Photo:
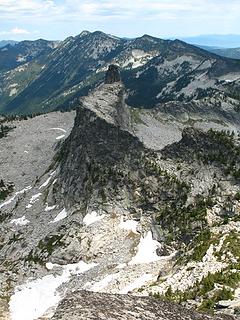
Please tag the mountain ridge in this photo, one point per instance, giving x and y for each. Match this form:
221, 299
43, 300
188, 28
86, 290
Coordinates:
75, 67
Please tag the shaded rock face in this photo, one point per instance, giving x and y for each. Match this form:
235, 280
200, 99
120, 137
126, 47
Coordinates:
104, 167
112, 75
95, 306
98, 153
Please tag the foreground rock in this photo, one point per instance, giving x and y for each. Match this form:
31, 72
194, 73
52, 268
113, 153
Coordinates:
87, 305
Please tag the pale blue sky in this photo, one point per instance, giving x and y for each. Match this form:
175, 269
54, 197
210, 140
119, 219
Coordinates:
58, 19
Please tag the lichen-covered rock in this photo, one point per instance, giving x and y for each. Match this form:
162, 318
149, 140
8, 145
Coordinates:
96, 306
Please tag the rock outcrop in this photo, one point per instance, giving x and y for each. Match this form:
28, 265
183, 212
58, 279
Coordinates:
103, 166
88, 305
112, 75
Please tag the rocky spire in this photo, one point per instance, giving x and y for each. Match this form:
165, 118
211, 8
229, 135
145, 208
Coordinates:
112, 75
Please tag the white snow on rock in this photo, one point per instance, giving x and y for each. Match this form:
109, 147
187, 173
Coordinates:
13, 92
15, 195
121, 266
60, 137
92, 217
34, 199
60, 129
21, 58
20, 221
129, 225
31, 300
138, 58
49, 208
13, 85
146, 250
47, 181
49, 265
138, 283
62, 215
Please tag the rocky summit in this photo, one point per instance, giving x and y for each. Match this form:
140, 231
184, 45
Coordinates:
124, 213
112, 75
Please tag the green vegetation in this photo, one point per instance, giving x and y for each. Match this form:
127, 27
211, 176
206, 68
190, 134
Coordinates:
232, 245
183, 82
237, 196
205, 290
221, 294
187, 222
4, 129
201, 245
49, 244
22, 78
136, 116
5, 189
222, 151
44, 249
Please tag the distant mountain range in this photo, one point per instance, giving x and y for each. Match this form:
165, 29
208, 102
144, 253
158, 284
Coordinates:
12, 56
3, 43
222, 41
233, 53
41, 76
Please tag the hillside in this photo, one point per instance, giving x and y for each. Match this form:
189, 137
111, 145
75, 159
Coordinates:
233, 53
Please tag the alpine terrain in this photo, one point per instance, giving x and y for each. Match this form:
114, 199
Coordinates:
123, 202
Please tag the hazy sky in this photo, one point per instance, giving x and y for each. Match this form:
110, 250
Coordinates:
58, 19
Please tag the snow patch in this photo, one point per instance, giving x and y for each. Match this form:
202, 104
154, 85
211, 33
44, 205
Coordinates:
49, 208
13, 198
47, 181
129, 225
138, 58
34, 199
62, 215
21, 58
60, 129
20, 221
121, 266
31, 300
146, 250
49, 265
13, 85
13, 92
92, 217
60, 137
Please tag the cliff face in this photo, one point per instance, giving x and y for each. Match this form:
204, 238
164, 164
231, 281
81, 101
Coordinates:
103, 166
99, 146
